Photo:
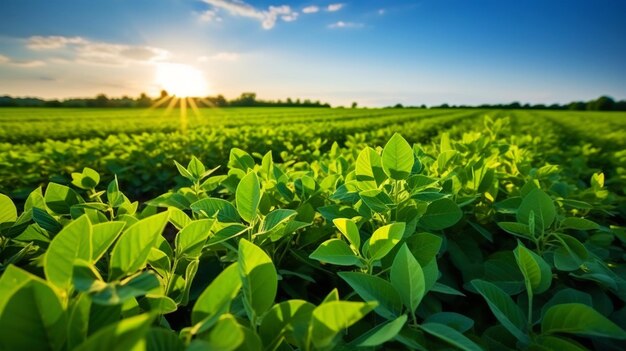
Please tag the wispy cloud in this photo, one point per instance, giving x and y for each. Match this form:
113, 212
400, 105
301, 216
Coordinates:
334, 7
382, 11
268, 18
310, 9
210, 16
99, 53
20, 63
342, 24
220, 56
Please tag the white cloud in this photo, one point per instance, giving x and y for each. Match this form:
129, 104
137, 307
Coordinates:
210, 16
220, 56
334, 7
310, 9
100, 53
52, 42
342, 24
268, 18
20, 63
381, 12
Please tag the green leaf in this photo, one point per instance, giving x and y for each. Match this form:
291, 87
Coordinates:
248, 197
330, 318
541, 205
196, 168
276, 218
46, 221
103, 236
579, 224
60, 198
225, 211
381, 333
537, 273
384, 239
577, 318
259, 278
441, 214
451, 336
8, 212
240, 159
282, 319
335, 251
369, 169
227, 335
548, 343
397, 158
130, 254
424, 246
183, 171
453, 320
517, 229
73, 242
377, 200
160, 339
217, 297
120, 336
505, 310
32, 318
408, 278
190, 240
348, 228
372, 288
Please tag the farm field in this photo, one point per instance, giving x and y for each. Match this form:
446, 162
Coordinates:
312, 229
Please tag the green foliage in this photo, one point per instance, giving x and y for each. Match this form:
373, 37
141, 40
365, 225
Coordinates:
469, 242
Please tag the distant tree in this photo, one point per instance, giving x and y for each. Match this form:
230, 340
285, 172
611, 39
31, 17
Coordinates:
220, 101
143, 101
164, 94
603, 103
354, 104
101, 100
577, 106
398, 105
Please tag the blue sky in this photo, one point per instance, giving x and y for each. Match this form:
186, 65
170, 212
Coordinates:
371, 51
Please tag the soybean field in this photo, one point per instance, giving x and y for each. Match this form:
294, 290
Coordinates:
312, 229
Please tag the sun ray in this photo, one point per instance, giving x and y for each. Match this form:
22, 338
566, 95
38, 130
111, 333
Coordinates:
183, 115
170, 106
194, 108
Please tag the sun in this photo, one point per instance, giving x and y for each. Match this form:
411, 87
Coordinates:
181, 80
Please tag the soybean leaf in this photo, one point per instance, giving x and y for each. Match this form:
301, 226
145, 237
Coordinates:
32, 318
130, 254
505, 310
381, 333
119, 336
217, 297
103, 236
161, 339
384, 239
348, 228
537, 273
453, 320
372, 288
259, 278
282, 319
541, 205
60, 198
397, 158
369, 169
73, 242
330, 318
226, 335
248, 197
191, 239
377, 200
407, 278
335, 251
450, 335
577, 318
441, 214
8, 212
225, 211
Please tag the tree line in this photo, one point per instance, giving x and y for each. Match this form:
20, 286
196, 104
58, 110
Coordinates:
102, 101
603, 103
